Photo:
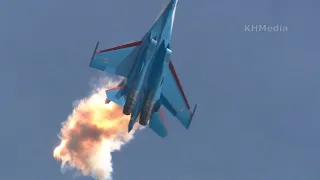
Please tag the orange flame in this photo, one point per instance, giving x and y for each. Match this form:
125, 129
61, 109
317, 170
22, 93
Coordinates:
91, 133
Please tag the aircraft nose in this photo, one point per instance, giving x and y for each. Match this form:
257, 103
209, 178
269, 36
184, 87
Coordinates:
174, 3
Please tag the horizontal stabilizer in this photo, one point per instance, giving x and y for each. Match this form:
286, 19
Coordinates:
158, 123
117, 95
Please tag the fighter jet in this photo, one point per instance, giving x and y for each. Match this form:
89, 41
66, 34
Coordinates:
150, 80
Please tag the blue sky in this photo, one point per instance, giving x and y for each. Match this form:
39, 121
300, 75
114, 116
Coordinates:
258, 92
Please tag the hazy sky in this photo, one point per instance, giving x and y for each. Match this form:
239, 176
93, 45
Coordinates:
257, 92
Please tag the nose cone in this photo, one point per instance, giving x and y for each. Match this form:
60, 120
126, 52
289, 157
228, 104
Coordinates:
173, 3
168, 4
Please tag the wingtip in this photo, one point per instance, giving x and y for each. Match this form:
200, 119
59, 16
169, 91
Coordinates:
194, 110
94, 52
192, 114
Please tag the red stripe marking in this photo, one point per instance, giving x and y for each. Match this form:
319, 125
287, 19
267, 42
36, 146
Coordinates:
163, 119
179, 84
116, 88
122, 46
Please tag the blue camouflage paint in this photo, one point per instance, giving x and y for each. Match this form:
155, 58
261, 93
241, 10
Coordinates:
151, 80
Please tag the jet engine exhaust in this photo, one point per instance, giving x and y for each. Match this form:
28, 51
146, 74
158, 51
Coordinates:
130, 102
146, 111
145, 116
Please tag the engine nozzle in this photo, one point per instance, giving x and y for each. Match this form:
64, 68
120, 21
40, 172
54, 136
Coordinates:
146, 111
145, 117
130, 102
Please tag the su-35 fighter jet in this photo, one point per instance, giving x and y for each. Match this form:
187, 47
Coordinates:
150, 79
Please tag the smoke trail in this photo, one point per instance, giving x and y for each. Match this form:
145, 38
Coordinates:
91, 133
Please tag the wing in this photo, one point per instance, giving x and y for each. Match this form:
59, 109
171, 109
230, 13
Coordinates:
174, 99
117, 60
